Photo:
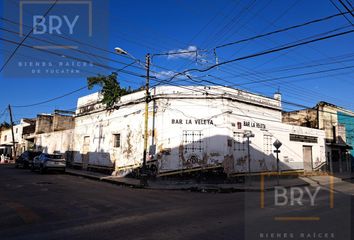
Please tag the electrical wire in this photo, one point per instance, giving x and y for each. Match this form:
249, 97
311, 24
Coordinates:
262, 53
338, 9
282, 30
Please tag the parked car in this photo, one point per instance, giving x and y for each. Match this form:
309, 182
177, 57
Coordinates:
25, 160
46, 161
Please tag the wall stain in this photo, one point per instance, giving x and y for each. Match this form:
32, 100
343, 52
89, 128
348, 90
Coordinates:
128, 151
228, 164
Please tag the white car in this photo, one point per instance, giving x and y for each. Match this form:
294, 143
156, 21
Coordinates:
47, 161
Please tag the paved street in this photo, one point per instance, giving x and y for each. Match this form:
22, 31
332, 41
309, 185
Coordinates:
59, 206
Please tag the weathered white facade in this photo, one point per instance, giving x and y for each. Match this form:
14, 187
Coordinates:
192, 128
6, 142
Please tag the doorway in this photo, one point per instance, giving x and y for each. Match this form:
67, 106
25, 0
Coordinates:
307, 155
85, 152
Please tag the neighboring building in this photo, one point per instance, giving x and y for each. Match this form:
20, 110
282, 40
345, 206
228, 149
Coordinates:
56, 130
28, 134
53, 133
190, 128
338, 124
6, 142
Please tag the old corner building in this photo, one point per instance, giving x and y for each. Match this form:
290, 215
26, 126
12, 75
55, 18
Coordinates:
190, 128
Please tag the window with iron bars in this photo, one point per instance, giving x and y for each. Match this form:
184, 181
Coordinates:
267, 144
239, 142
192, 141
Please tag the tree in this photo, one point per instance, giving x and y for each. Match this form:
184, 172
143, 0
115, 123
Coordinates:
110, 88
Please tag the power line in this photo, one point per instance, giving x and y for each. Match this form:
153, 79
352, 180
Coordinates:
345, 6
349, 4
76, 50
282, 30
50, 100
3, 112
296, 75
289, 68
74, 58
262, 53
338, 9
95, 55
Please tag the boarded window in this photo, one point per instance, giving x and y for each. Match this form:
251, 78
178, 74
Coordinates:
116, 140
193, 141
239, 142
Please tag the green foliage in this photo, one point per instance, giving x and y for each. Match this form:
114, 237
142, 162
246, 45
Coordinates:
110, 88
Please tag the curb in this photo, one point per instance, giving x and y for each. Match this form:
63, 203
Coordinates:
103, 179
190, 189
222, 189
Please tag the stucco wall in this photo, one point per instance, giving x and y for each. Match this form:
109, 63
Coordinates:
55, 142
192, 130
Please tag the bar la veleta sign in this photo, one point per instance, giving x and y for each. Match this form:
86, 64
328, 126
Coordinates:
193, 121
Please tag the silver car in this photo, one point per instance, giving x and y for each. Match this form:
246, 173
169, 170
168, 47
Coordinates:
47, 161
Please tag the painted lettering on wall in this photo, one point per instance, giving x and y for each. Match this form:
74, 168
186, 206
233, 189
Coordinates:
254, 124
193, 121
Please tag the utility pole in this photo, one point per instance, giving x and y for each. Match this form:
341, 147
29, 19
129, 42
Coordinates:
248, 134
143, 179
13, 134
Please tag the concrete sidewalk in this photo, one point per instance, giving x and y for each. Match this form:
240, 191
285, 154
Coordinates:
190, 185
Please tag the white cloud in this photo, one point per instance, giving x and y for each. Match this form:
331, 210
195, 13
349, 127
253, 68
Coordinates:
164, 74
185, 53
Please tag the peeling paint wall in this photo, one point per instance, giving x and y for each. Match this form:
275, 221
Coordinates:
101, 128
192, 130
222, 140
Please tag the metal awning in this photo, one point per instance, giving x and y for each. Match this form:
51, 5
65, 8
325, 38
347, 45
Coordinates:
340, 145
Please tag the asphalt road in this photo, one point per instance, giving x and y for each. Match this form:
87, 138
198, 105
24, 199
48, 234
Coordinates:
60, 206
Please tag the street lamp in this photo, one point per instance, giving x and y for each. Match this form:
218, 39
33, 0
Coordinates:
248, 134
120, 51
143, 177
277, 144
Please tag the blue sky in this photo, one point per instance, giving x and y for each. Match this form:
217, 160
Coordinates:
162, 26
